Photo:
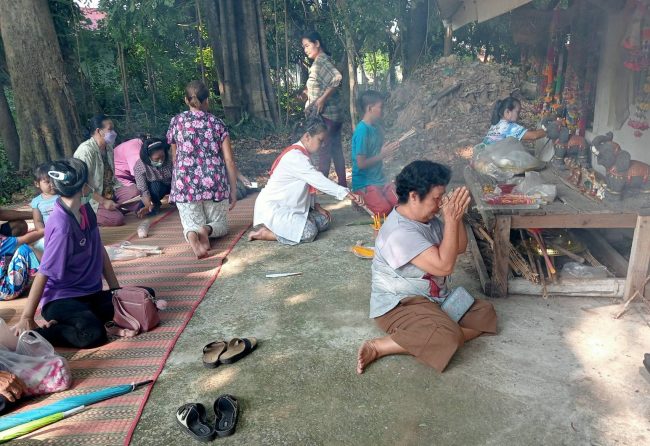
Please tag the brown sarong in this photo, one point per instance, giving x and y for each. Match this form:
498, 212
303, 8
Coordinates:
426, 332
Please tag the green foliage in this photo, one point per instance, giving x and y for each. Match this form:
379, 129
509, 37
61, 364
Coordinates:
161, 55
493, 36
164, 48
10, 181
376, 62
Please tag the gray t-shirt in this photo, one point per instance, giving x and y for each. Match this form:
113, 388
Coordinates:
399, 241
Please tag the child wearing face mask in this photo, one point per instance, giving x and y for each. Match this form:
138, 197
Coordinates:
153, 174
97, 153
68, 286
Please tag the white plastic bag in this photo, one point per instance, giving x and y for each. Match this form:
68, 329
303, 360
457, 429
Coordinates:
116, 254
532, 185
143, 229
503, 159
575, 270
129, 251
36, 363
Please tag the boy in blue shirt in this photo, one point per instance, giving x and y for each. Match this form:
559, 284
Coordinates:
368, 155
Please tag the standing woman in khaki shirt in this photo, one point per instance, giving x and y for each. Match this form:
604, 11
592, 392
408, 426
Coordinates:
322, 99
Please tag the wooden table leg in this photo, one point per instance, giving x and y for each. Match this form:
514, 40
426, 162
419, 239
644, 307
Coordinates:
639, 265
501, 238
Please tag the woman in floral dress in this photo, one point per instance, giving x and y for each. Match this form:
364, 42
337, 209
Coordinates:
204, 180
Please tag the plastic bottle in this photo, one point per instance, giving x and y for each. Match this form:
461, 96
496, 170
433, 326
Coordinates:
143, 229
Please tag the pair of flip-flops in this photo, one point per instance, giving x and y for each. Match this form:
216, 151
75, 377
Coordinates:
222, 352
193, 420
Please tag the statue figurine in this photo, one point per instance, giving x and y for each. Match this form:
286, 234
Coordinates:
575, 171
565, 144
622, 171
594, 184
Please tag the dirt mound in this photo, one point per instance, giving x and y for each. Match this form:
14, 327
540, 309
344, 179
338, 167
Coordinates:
449, 104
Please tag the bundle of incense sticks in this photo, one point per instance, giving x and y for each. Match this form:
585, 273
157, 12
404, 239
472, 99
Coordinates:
377, 221
407, 135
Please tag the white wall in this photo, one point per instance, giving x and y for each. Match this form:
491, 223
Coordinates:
611, 52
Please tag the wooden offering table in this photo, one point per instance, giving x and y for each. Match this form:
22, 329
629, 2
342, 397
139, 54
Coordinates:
571, 209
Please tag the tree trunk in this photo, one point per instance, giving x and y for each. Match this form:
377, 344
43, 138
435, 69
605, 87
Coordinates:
77, 78
212, 24
392, 78
448, 40
271, 98
278, 75
243, 58
351, 52
48, 124
199, 25
8, 132
286, 62
125, 84
152, 88
416, 35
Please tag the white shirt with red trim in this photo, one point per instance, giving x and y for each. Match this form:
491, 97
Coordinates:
283, 205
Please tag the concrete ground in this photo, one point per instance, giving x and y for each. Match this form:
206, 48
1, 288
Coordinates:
560, 372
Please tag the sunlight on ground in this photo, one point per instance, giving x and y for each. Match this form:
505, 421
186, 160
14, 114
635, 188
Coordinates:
336, 206
465, 152
609, 353
267, 151
220, 379
298, 299
235, 266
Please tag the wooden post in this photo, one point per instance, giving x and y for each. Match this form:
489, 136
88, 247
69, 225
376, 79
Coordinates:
501, 239
639, 258
448, 39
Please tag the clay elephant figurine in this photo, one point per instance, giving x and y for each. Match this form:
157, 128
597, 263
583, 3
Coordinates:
565, 144
622, 171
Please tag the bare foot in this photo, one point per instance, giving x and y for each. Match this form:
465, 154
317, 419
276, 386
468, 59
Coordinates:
197, 246
7, 337
367, 354
204, 237
262, 233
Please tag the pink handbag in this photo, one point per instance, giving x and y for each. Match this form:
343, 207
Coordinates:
136, 311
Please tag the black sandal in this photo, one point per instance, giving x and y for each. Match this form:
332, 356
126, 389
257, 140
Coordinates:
191, 418
237, 349
226, 409
212, 352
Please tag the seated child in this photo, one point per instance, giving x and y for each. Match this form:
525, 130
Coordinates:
504, 123
368, 155
43, 204
18, 263
68, 286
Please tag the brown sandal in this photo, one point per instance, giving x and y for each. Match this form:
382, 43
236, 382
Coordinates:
212, 353
237, 349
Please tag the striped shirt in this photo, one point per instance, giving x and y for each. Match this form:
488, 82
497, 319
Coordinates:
144, 174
